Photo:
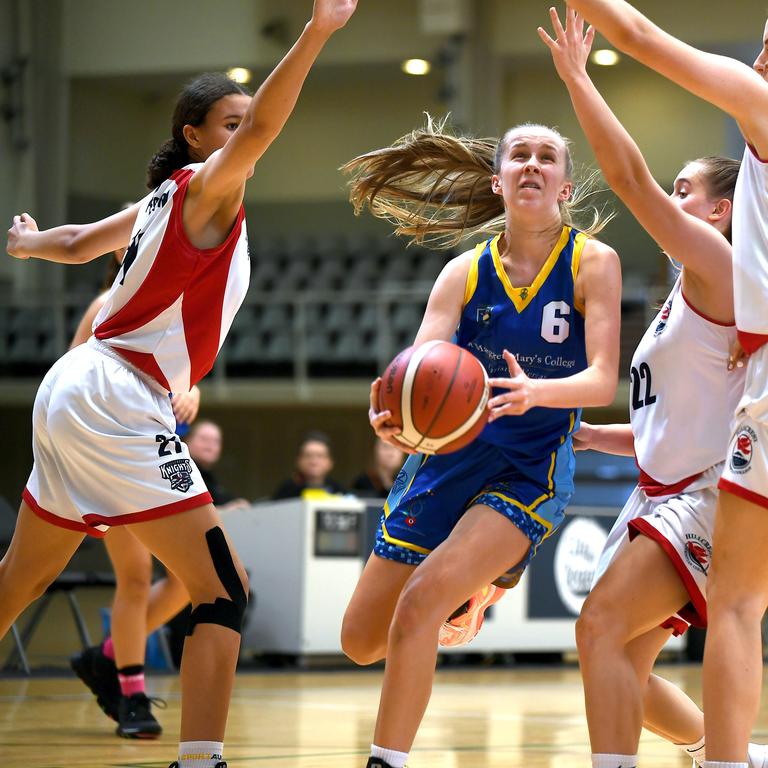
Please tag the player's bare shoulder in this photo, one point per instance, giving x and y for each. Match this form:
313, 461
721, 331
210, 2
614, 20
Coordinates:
599, 269
456, 269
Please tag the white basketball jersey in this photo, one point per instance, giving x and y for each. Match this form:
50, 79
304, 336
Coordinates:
750, 251
171, 305
682, 396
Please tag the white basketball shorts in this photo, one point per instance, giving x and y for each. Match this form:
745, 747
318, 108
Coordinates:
746, 466
682, 525
104, 446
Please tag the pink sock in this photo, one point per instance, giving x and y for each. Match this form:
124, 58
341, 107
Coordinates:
131, 683
108, 649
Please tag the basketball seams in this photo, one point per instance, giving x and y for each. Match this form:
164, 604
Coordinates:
469, 424
439, 409
414, 437
411, 436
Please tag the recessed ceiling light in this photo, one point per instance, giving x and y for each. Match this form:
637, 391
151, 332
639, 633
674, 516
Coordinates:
605, 57
239, 74
416, 66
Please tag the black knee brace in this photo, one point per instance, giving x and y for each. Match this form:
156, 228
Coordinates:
227, 613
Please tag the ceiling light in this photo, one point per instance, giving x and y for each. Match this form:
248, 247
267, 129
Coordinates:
239, 74
605, 57
416, 66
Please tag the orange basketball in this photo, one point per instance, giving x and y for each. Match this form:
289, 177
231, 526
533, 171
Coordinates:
437, 393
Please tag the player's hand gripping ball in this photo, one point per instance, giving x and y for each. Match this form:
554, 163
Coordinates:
437, 394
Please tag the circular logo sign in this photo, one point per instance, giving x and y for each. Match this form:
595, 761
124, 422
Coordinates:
742, 449
576, 558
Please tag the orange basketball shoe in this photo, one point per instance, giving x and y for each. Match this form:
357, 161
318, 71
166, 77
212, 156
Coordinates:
465, 623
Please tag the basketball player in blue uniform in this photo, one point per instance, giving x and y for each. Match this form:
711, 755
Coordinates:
539, 305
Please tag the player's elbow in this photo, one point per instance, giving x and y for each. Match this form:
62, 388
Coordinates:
605, 392
75, 246
632, 37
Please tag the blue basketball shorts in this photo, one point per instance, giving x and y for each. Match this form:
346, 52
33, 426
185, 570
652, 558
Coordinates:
431, 493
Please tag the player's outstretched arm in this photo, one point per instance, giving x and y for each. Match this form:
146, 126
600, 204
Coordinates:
227, 170
734, 87
71, 243
694, 243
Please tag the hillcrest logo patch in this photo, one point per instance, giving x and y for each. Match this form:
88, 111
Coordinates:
742, 449
178, 473
698, 552
662, 324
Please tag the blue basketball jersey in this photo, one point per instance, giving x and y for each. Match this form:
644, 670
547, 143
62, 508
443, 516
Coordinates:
540, 324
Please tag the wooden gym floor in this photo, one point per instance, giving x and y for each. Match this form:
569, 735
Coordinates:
494, 718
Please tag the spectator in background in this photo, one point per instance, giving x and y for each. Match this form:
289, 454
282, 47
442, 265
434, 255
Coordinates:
314, 463
377, 480
205, 442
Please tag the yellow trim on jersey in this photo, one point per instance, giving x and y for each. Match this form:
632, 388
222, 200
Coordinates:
401, 543
578, 246
570, 427
471, 285
522, 297
550, 478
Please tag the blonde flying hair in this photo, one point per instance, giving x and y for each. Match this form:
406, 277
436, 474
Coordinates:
435, 187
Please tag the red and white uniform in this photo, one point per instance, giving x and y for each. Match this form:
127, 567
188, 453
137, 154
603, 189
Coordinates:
746, 470
103, 427
171, 306
682, 402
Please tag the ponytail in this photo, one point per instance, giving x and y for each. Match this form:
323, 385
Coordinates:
169, 158
435, 188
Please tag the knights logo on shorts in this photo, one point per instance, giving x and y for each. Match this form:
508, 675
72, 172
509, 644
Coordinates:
743, 448
698, 552
179, 473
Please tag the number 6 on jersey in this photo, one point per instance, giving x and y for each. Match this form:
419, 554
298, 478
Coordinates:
554, 327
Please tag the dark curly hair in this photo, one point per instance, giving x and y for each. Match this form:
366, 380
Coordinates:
192, 106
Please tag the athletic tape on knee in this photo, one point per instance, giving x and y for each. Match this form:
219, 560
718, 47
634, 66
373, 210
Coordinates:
226, 613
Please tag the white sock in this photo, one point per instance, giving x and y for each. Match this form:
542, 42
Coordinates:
694, 751
716, 764
614, 761
757, 754
393, 757
200, 754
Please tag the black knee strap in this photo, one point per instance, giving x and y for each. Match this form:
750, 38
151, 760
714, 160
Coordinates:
226, 613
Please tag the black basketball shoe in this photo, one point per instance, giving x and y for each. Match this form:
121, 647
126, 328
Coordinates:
100, 675
377, 762
135, 719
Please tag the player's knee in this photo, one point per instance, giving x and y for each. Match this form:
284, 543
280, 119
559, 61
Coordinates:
415, 611
134, 585
26, 587
742, 607
594, 626
210, 607
360, 644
